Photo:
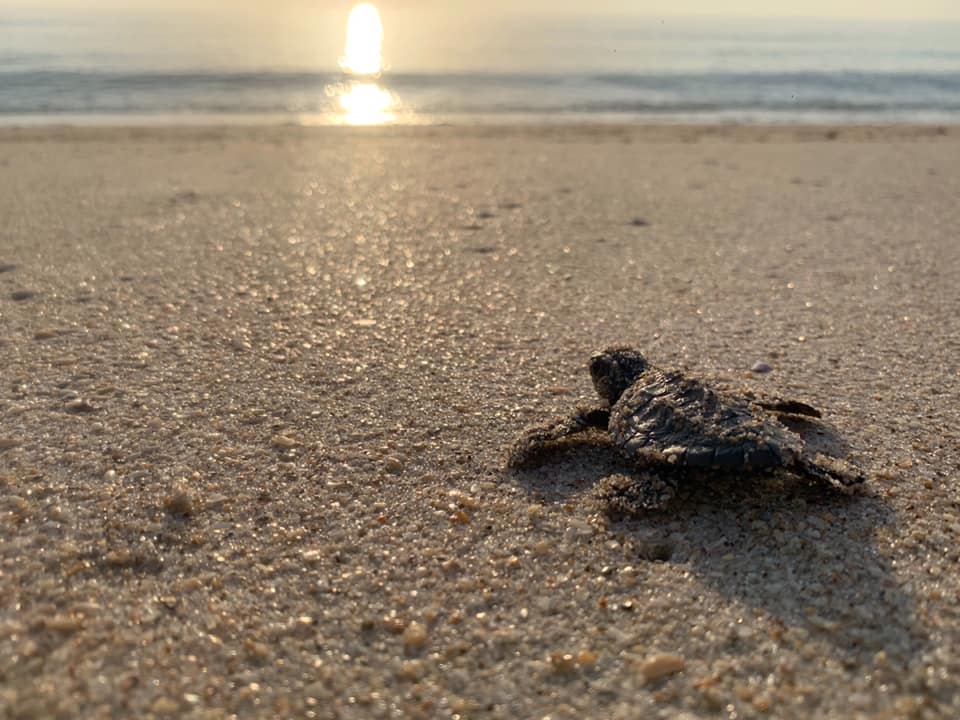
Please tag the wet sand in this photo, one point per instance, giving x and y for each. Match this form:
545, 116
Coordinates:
257, 384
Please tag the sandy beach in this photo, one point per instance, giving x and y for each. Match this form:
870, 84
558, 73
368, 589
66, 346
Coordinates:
257, 384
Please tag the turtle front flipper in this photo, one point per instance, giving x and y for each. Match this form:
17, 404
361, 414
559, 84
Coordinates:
528, 449
635, 494
828, 469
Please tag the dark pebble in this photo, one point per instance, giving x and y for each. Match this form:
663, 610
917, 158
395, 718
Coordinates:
6, 267
639, 222
21, 295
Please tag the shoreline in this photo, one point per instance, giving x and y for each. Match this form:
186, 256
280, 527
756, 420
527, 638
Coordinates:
745, 132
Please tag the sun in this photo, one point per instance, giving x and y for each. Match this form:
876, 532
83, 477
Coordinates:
363, 52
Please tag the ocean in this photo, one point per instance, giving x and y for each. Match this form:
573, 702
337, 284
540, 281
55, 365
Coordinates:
82, 70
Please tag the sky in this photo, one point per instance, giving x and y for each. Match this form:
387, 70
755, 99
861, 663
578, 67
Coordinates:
438, 36
848, 9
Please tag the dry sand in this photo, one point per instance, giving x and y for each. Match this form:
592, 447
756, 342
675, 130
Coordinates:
256, 385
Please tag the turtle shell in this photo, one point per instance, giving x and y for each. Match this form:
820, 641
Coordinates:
665, 417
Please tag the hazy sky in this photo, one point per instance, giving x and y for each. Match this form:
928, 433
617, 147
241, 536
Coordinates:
858, 9
447, 35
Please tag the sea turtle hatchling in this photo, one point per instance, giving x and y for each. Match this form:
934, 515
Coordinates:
666, 425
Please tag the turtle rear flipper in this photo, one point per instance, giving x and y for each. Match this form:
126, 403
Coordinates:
632, 495
789, 407
828, 469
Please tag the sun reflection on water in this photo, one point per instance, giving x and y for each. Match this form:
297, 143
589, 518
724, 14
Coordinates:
362, 100
366, 103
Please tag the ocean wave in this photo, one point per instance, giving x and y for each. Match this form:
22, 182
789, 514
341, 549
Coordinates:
879, 94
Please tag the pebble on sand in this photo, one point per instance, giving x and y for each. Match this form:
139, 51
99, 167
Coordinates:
587, 658
562, 662
414, 636
62, 623
393, 465
413, 670
120, 558
660, 666
760, 367
165, 706
79, 405
283, 442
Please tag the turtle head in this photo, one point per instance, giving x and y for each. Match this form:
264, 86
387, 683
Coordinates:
614, 370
